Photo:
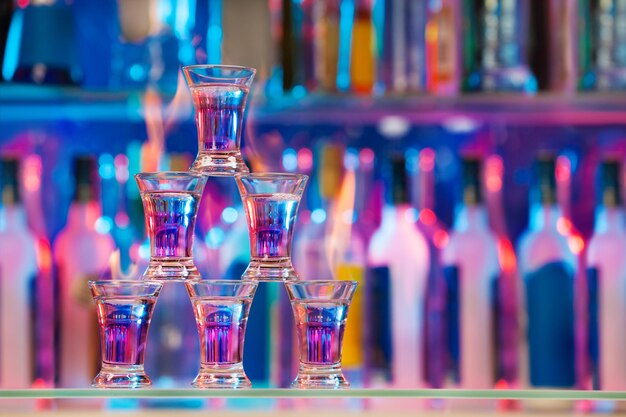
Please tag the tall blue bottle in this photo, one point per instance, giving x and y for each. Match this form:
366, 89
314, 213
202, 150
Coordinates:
548, 267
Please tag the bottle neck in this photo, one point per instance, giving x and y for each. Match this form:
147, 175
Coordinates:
393, 215
609, 218
83, 215
12, 217
545, 216
471, 217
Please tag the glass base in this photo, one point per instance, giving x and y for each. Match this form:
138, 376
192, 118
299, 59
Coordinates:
219, 164
171, 269
320, 377
121, 376
269, 270
222, 376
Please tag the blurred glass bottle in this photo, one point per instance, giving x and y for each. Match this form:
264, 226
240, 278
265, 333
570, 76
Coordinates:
18, 284
363, 52
553, 44
606, 280
496, 39
604, 45
81, 254
327, 46
41, 44
472, 275
442, 47
348, 258
548, 267
402, 63
313, 244
398, 263
422, 167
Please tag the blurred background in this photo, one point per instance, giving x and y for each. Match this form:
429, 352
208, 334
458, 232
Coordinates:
511, 106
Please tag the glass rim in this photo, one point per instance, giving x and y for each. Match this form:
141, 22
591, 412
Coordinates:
123, 282
230, 282
321, 282
168, 175
192, 68
272, 175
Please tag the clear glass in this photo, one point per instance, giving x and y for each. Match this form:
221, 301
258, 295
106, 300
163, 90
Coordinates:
271, 203
170, 203
221, 309
124, 311
320, 309
219, 96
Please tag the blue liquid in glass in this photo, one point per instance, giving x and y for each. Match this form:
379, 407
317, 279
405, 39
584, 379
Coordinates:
271, 220
170, 222
221, 326
219, 115
320, 326
124, 327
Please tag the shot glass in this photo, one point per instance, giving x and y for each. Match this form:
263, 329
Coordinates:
221, 308
271, 202
170, 203
219, 95
124, 311
320, 310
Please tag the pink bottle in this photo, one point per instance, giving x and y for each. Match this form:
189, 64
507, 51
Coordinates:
80, 253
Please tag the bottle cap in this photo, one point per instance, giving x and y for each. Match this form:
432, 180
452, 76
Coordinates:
397, 180
545, 170
9, 181
611, 183
472, 171
85, 175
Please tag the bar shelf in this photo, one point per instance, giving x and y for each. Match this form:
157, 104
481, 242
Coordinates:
24, 103
505, 394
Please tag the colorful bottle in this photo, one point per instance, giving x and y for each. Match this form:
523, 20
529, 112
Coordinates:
349, 259
18, 272
81, 254
608, 38
398, 262
606, 280
501, 47
314, 257
442, 47
548, 266
472, 273
363, 53
328, 46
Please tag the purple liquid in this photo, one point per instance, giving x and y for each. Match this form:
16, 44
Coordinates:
124, 326
221, 326
271, 219
219, 115
170, 220
320, 328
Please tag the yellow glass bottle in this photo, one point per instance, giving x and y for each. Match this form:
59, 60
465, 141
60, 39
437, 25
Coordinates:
362, 58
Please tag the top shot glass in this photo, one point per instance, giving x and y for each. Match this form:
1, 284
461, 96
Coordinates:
170, 203
271, 202
220, 93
